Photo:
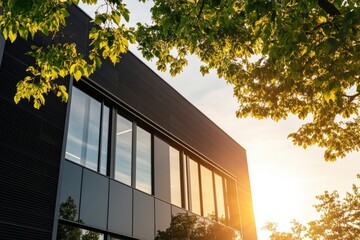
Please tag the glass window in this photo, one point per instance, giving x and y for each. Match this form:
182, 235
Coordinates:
233, 205
207, 188
66, 232
70, 191
194, 186
83, 139
220, 202
104, 139
175, 179
123, 150
185, 173
143, 160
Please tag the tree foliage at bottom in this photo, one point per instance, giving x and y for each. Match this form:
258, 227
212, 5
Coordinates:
339, 219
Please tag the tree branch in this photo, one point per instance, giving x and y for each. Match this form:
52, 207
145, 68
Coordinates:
201, 9
352, 97
328, 7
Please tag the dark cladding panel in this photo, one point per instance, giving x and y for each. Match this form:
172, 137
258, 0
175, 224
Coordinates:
120, 208
143, 216
180, 222
30, 143
70, 190
94, 199
162, 219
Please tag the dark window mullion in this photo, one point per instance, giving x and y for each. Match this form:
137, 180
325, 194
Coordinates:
100, 137
152, 166
182, 180
112, 145
189, 185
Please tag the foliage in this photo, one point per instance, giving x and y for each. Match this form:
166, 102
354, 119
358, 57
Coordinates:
339, 219
109, 39
68, 211
297, 231
308, 55
185, 226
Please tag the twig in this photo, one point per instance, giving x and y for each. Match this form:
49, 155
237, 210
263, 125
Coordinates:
201, 9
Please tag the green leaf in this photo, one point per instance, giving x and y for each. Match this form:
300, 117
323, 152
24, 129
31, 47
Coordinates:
77, 75
116, 17
12, 36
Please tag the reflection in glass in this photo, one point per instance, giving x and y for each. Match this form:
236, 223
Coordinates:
123, 150
143, 160
175, 180
220, 199
207, 188
67, 232
82, 144
68, 210
104, 140
162, 215
83, 140
71, 185
232, 201
185, 171
194, 187
184, 226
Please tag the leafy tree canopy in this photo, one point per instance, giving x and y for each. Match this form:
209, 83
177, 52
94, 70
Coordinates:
308, 53
339, 219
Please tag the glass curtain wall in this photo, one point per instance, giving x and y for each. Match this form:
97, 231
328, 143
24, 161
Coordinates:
186, 183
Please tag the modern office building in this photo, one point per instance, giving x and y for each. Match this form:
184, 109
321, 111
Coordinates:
126, 158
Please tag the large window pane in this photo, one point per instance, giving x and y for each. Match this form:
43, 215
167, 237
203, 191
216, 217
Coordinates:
185, 182
143, 160
175, 179
234, 215
82, 144
123, 150
207, 188
104, 140
194, 187
67, 232
220, 202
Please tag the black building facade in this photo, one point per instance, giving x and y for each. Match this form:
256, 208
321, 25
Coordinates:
126, 158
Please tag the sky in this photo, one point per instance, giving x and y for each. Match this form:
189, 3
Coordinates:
284, 178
